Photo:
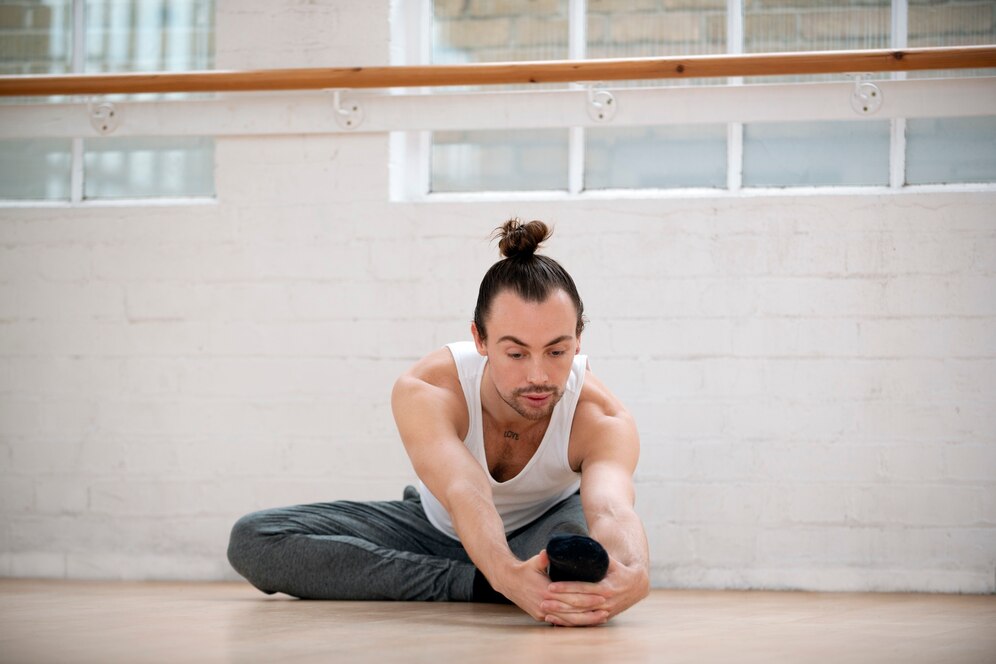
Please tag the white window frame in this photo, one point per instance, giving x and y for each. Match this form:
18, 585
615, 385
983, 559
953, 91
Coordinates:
23, 124
76, 181
411, 151
409, 115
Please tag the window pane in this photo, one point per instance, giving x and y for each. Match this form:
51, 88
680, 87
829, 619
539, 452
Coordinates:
499, 31
534, 160
624, 29
35, 169
947, 150
150, 35
655, 157
816, 153
951, 23
143, 167
36, 37
776, 26
466, 32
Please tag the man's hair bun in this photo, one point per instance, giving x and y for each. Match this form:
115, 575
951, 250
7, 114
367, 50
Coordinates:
519, 240
530, 276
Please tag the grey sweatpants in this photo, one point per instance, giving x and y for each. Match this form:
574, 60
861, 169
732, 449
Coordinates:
372, 551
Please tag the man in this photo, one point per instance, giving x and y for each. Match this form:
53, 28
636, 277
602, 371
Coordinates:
521, 454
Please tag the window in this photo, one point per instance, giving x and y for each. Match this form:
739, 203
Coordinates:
65, 36
808, 152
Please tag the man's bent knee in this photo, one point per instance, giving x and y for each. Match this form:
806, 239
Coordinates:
246, 547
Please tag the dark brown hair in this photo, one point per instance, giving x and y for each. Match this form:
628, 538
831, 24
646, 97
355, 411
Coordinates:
531, 276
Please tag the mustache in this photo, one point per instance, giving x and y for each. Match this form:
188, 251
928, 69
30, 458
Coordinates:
540, 389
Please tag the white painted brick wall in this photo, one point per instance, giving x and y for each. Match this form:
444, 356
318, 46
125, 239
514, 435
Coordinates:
814, 377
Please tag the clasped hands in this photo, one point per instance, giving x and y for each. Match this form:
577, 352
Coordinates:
574, 603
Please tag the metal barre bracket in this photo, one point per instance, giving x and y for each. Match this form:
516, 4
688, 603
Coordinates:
601, 104
105, 117
348, 116
866, 98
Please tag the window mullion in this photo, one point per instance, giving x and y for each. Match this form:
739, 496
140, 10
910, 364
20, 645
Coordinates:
734, 130
897, 138
411, 151
577, 47
78, 66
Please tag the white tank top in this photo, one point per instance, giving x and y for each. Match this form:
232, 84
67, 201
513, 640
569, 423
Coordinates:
547, 478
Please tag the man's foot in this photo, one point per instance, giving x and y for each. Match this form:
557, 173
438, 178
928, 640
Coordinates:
576, 558
483, 592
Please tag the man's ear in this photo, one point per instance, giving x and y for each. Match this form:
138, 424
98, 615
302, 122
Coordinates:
577, 346
478, 340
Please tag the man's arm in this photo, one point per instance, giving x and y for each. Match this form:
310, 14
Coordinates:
608, 450
429, 409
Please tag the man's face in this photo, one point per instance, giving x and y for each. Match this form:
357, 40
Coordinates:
530, 349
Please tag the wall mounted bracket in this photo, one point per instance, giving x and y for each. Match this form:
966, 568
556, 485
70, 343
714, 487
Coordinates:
866, 98
349, 114
601, 104
105, 117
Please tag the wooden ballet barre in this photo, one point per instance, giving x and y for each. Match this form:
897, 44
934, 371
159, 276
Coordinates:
503, 73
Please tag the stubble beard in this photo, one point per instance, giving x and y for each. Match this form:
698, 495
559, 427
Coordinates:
531, 412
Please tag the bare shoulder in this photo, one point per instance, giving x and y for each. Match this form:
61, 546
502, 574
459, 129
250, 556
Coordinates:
597, 400
431, 387
602, 425
437, 369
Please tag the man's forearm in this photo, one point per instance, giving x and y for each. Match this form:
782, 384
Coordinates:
623, 537
481, 531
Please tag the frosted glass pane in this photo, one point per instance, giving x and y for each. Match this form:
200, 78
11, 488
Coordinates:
951, 23
465, 32
149, 35
36, 37
776, 26
948, 150
498, 31
499, 160
148, 167
35, 169
816, 153
655, 157
626, 29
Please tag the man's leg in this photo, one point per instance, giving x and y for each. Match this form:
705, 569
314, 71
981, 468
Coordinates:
348, 550
563, 532
564, 518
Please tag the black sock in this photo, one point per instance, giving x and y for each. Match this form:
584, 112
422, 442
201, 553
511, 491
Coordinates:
576, 558
483, 592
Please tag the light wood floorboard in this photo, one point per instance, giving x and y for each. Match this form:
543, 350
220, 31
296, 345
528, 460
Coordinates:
72, 621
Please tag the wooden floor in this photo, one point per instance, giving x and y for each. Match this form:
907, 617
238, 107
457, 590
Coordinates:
59, 621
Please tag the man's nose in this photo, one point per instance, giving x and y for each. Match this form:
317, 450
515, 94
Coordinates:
537, 372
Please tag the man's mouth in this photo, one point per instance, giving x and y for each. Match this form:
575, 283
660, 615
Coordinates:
537, 399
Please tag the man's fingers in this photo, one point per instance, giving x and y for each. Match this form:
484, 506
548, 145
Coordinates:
575, 587
586, 619
573, 603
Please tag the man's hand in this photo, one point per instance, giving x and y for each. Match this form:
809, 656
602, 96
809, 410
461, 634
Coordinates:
526, 584
575, 604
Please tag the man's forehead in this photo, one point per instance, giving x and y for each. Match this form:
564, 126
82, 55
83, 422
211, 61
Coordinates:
533, 324
557, 299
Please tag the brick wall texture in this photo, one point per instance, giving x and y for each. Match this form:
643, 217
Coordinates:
813, 376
